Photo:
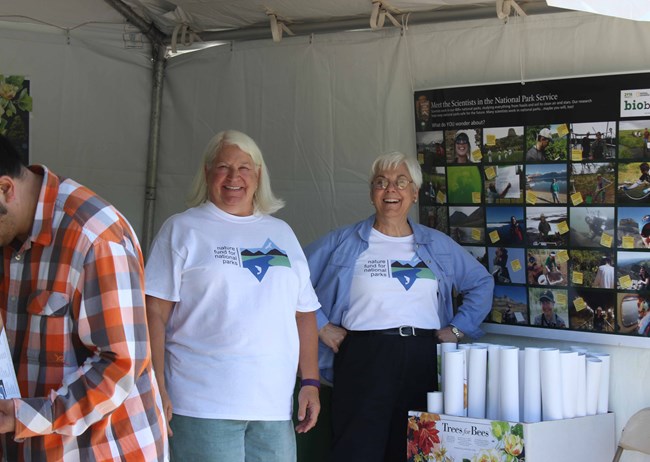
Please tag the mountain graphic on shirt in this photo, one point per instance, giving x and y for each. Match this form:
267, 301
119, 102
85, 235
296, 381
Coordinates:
258, 261
407, 272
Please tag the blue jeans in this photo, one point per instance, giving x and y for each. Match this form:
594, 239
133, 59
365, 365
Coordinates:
215, 440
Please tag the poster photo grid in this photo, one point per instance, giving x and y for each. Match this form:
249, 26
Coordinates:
548, 186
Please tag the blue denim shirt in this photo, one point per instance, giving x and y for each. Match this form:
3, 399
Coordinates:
331, 263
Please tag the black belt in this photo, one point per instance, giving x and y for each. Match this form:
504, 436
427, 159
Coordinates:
402, 331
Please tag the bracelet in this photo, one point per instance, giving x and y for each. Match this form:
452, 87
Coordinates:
310, 382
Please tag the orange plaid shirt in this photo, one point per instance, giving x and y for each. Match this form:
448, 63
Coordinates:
72, 303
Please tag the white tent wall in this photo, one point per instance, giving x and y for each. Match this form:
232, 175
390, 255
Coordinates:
319, 114
92, 98
322, 108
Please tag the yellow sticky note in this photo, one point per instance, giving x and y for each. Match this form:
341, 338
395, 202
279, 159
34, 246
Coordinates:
628, 242
490, 173
441, 198
516, 265
577, 277
563, 227
562, 256
476, 197
497, 316
421, 158
476, 155
531, 198
476, 234
494, 236
490, 140
625, 281
579, 303
562, 130
560, 297
576, 198
576, 155
606, 240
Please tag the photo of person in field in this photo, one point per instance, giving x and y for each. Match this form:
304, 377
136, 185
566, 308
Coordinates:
594, 181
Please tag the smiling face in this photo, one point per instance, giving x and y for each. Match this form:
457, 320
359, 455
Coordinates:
232, 180
462, 150
392, 202
542, 144
547, 308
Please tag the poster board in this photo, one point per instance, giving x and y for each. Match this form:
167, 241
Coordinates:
15, 106
546, 183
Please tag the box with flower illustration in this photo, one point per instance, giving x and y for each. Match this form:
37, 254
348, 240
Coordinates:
443, 438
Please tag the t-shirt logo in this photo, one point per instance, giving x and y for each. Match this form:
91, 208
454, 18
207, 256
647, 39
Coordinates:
259, 260
407, 272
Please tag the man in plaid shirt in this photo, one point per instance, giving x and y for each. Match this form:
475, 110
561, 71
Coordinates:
72, 304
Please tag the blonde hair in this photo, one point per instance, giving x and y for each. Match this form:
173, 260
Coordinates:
264, 201
392, 160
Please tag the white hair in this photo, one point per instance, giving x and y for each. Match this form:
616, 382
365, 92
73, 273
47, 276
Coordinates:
264, 201
393, 160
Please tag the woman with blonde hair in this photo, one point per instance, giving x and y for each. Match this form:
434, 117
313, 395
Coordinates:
231, 314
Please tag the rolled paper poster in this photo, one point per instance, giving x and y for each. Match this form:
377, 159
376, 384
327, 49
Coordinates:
603, 395
444, 347
581, 403
569, 366
492, 405
435, 402
509, 384
551, 379
532, 386
454, 389
476, 382
594, 366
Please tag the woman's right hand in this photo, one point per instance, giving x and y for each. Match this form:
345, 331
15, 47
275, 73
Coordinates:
167, 409
332, 336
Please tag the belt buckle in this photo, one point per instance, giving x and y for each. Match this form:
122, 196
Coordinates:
406, 333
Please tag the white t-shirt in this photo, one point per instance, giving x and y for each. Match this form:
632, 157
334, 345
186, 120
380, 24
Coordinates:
392, 287
231, 342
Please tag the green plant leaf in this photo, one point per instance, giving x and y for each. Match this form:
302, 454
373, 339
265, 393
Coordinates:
518, 429
15, 80
499, 429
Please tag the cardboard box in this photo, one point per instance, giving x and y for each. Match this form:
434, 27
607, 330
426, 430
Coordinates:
443, 438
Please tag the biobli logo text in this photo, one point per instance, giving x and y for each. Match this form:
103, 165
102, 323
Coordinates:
635, 103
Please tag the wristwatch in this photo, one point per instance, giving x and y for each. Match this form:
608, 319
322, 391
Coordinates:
456, 332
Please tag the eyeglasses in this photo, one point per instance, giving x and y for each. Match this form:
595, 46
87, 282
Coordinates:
462, 142
382, 183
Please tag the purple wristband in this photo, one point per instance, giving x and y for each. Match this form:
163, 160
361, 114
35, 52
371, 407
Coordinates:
310, 382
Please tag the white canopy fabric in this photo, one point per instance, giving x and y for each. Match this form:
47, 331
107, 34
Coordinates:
210, 15
218, 15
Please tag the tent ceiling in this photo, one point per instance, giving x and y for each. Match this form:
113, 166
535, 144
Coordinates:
209, 16
65, 14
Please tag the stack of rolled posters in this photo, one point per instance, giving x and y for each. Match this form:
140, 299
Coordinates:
529, 385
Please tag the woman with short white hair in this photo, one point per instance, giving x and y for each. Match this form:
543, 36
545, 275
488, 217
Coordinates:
385, 285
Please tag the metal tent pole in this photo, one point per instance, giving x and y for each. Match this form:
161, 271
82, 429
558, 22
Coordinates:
158, 40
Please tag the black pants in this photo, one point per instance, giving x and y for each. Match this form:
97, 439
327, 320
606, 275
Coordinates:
377, 380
